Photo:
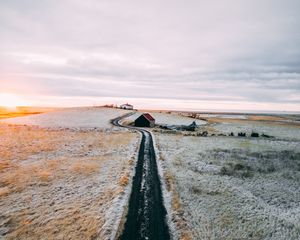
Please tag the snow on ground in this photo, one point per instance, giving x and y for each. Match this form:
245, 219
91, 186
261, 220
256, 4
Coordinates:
232, 188
87, 117
64, 183
167, 118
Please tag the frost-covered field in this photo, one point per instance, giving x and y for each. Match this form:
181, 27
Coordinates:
278, 131
64, 183
167, 118
88, 117
233, 188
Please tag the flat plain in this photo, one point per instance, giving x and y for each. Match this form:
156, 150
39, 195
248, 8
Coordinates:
67, 174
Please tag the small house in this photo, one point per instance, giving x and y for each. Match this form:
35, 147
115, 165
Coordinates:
145, 120
126, 106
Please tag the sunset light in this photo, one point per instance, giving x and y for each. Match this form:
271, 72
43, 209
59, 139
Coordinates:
11, 100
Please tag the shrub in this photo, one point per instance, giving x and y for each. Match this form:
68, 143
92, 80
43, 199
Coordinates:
241, 134
254, 134
124, 180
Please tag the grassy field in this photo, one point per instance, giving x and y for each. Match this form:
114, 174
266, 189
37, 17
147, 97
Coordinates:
21, 111
63, 183
229, 187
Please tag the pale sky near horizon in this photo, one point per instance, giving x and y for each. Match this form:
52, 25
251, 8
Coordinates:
196, 54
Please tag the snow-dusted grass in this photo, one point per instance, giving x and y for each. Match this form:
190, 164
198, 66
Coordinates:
87, 117
63, 183
232, 188
166, 118
279, 131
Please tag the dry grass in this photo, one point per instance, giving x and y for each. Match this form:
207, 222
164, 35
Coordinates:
85, 168
20, 143
4, 165
185, 236
19, 178
22, 111
4, 191
124, 180
52, 164
169, 178
181, 224
37, 159
59, 228
176, 205
44, 175
117, 139
265, 118
15, 114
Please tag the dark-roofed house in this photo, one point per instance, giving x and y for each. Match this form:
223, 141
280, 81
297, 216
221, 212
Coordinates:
145, 120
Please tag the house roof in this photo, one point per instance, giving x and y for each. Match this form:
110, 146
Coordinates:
148, 117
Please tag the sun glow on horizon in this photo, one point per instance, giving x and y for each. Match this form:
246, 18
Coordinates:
10, 100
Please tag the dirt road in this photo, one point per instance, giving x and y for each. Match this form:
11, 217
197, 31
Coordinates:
146, 218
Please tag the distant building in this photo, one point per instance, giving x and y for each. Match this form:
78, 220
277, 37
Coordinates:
145, 120
126, 106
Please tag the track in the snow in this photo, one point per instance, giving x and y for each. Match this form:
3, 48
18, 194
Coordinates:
146, 217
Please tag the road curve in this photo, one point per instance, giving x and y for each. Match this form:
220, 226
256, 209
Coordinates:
146, 217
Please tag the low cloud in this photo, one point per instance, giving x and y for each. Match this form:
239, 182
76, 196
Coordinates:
203, 51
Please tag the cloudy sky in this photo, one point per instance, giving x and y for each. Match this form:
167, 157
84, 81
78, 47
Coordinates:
177, 54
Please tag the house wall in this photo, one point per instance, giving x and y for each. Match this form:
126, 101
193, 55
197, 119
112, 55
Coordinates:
126, 107
141, 122
152, 124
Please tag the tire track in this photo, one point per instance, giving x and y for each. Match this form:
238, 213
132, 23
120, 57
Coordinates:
146, 217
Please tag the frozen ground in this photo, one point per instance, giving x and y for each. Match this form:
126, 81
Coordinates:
88, 117
167, 118
64, 183
278, 131
233, 188
67, 174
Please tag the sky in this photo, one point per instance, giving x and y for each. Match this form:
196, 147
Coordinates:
179, 54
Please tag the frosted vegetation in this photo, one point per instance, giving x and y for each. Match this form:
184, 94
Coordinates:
278, 131
64, 183
234, 188
92, 117
68, 174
